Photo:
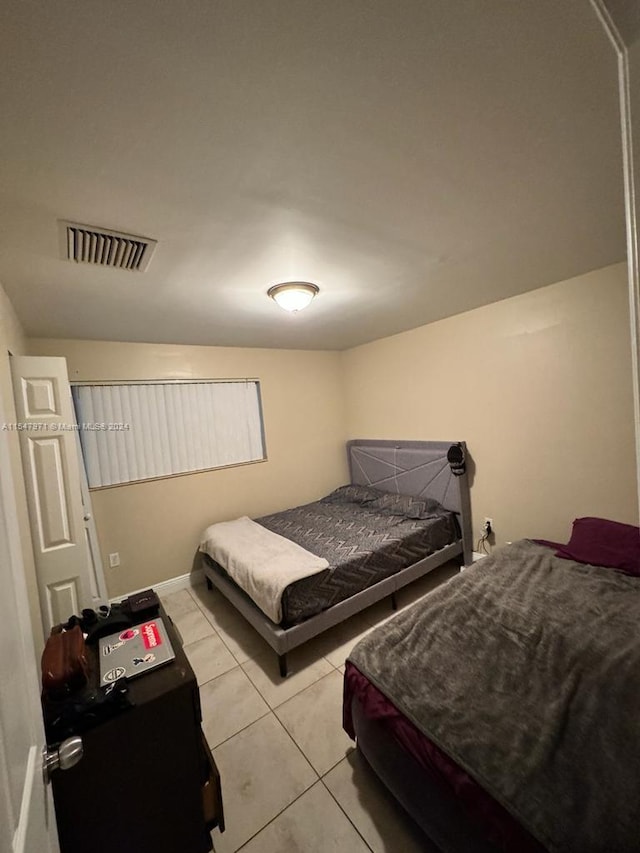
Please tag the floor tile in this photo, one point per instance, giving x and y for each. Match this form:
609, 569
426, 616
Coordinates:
262, 772
426, 584
304, 669
353, 630
242, 640
313, 718
326, 642
344, 636
313, 824
229, 704
381, 821
192, 626
178, 603
209, 658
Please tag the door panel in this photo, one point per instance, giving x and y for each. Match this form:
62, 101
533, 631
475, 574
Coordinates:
48, 441
49, 483
40, 397
27, 821
62, 600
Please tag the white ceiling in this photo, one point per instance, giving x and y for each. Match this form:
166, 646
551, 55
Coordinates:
414, 158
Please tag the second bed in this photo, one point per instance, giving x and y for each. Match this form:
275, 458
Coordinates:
405, 512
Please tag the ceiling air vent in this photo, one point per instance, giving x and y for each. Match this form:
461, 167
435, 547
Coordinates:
87, 244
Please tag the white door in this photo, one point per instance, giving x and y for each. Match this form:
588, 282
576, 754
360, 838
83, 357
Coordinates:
50, 462
27, 822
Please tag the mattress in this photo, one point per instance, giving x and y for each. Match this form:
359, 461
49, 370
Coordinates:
363, 544
524, 670
492, 819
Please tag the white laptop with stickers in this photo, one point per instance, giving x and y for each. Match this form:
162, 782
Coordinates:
134, 651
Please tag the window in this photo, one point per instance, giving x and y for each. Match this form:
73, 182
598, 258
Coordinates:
135, 431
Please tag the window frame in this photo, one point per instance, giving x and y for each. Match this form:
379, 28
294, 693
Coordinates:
187, 381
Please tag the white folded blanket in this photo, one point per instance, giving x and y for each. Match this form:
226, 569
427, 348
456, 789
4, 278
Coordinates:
262, 563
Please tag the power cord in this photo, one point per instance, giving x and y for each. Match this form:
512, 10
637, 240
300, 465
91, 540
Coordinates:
482, 543
487, 530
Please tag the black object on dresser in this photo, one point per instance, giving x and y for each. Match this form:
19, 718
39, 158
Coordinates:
147, 782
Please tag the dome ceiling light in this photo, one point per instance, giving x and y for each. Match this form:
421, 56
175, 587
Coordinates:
293, 295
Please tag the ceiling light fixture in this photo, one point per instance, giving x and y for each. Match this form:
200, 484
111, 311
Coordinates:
293, 295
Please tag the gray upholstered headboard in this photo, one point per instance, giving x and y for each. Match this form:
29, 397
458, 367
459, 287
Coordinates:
418, 468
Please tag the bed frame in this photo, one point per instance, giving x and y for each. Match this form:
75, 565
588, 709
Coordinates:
430, 803
418, 468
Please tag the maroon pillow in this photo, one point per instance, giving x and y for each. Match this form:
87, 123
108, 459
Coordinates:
601, 542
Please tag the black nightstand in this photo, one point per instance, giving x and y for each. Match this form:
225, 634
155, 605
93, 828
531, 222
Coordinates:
147, 782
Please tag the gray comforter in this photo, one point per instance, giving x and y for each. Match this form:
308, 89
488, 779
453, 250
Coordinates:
362, 545
525, 669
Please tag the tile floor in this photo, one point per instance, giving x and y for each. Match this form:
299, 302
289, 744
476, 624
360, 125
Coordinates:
291, 779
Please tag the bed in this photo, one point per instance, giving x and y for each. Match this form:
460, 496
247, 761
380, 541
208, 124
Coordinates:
363, 568
501, 709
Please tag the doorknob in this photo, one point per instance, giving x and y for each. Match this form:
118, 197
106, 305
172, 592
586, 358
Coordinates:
87, 517
65, 756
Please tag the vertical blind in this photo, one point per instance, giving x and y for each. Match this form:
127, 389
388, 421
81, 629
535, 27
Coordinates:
138, 431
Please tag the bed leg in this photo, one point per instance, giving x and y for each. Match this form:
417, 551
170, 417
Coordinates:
209, 584
282, 661
394, 601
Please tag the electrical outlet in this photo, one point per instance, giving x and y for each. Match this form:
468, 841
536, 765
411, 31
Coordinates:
114, 560
487, 527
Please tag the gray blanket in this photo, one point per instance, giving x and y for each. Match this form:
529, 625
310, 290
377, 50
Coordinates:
362, 545
525, 669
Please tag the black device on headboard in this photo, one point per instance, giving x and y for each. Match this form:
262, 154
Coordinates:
456, 459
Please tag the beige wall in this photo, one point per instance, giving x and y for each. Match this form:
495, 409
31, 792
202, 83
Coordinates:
540, 388
155, 526
12, 340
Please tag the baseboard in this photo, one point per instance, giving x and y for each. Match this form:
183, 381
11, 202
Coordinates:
475, 556
187, 581
478, 555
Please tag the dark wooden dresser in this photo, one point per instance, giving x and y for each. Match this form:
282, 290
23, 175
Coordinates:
146, 782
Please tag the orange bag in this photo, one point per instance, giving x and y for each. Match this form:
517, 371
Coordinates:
64, 663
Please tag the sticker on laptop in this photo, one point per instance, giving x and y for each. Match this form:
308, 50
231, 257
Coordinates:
150, 635
114, 674
111, 647
129, 634
146, 659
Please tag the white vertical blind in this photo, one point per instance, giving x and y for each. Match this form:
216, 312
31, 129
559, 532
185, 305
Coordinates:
138, 431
